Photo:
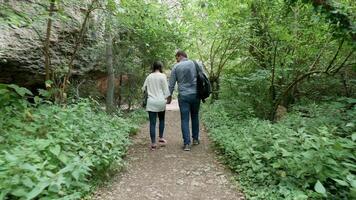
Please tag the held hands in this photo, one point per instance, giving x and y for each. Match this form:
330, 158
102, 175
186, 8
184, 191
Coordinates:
169, 99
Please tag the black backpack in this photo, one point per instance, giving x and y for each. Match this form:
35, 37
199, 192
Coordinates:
203, 83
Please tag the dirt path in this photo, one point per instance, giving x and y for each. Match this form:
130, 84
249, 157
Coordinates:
169, 172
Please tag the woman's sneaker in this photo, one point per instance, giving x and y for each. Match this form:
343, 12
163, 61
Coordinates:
162, 142
153, 147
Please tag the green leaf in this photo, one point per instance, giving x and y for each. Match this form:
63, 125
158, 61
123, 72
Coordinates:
54, 188
66, 169
300, 196
42, 143
20, 192
3, 91
269, 155
353, 193
55, 150
341, 182
3, 194
37, 99
353, 183
286, 153
350, 124
48, 83
30, 129
63, 158
353, 137
351, 100
319, 188
20, 90
276, 165
28, 182
37, 190
76, 174
9, 157
44, 93
29, 167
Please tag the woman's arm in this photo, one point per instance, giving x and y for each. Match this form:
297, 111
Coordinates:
165, 88
144, 84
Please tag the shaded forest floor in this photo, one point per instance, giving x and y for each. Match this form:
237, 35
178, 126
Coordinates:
169, 172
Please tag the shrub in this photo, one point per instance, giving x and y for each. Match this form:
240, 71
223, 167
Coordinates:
301, 157
53, 152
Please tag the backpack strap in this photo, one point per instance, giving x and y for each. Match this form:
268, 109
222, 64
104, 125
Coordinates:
196, 66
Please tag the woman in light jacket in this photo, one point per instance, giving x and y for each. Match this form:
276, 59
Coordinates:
157, 88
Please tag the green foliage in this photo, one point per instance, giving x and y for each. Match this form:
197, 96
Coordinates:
11, 17
142, 33
250, 91
54, 152
152, 34
279, 46
11, 95
308, 155
340, 14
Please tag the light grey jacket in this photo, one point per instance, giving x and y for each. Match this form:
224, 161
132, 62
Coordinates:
185, 74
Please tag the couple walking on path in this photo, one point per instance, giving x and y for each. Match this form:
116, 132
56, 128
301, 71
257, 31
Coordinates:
184, 73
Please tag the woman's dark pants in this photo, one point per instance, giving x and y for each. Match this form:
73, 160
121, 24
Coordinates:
153, 119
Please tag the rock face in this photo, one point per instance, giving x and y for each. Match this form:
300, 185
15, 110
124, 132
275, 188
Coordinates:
22, 33
21, 59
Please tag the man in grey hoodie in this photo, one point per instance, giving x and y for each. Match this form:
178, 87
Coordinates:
185, 74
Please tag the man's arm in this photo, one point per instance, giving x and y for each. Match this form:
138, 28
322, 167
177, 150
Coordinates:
172, 84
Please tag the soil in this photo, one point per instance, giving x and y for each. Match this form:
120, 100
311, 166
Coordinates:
169, 172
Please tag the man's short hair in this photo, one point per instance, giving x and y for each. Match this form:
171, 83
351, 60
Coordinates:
181, 53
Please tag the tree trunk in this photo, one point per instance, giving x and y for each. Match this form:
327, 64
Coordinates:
77, 44
48, 41
344, 80
215, 87
110, 72
273, 87
119, 91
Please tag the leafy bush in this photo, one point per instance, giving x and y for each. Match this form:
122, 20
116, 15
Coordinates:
307, 155
53, 152
250, 92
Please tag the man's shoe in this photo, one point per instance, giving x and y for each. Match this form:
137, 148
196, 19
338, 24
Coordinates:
186, 147
196, 142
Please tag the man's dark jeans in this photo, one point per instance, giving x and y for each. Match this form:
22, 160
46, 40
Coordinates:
189, 107
153, 119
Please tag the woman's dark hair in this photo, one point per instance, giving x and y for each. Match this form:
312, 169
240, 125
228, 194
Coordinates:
157, 65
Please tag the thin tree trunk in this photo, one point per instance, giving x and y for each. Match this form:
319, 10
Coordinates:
119, 90
110, 72
77, 44
215, 86
344, 80
273, 89
48, 41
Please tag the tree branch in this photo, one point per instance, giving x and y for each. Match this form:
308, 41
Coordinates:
335, 56
77, 45
342, 64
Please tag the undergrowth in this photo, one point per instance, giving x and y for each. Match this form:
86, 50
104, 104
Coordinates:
310, 154
50, 151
